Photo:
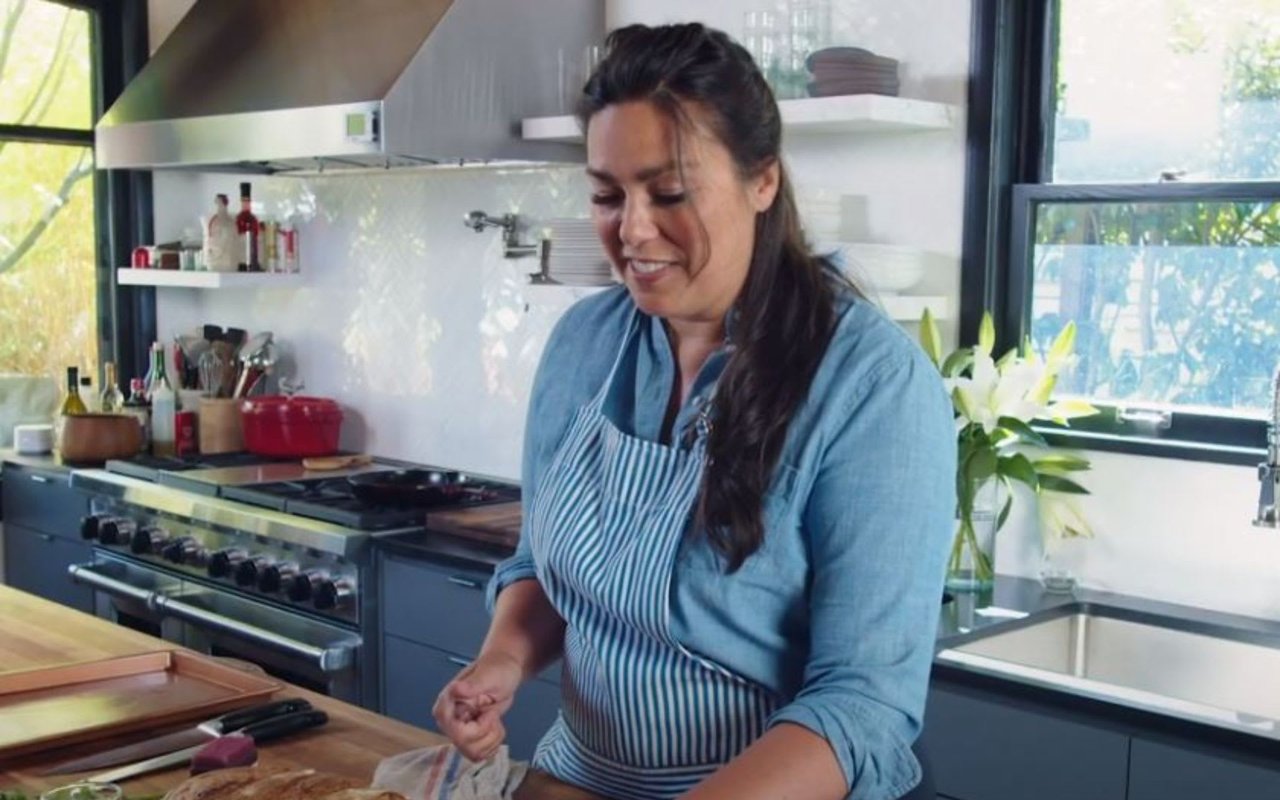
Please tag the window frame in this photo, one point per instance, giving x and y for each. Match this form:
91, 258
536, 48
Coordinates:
1012, 74
126, 322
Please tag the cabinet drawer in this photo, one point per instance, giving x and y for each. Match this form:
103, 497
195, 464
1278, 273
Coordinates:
413, 674
37, 562
1163, 772
43, 501
434, 605
1000, 749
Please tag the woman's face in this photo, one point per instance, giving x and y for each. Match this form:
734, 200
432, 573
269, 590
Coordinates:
681, 235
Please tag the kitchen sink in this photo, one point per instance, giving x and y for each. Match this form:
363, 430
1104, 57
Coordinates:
1217, 675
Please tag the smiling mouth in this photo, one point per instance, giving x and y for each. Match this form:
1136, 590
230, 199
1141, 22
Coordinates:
641, 267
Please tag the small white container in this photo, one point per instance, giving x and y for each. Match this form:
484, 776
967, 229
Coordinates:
33, 440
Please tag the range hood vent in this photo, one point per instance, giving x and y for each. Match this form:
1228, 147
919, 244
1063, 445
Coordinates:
278, 85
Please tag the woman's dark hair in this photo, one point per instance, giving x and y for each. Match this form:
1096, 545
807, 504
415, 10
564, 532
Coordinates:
783, 318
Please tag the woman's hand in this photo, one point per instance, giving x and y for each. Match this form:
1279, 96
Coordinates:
469, 709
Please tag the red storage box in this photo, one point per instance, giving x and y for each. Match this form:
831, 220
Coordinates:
291, 427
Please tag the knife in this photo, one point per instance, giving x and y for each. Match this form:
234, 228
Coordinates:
262, 731
201, 733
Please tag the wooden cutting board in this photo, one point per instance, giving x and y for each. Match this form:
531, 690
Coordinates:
498, 523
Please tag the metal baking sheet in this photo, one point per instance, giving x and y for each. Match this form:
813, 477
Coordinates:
54, 706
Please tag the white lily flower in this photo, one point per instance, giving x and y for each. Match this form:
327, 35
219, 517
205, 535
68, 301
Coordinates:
989, 394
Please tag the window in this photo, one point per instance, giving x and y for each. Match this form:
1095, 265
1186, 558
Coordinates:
48, 265
1134, 188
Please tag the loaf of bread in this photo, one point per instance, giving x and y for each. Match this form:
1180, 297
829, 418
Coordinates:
274, 783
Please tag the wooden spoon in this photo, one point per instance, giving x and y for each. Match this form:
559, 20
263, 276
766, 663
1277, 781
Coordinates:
336, 462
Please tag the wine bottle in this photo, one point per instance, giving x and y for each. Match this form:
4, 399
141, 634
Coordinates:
164, 405
137, 406
73, 403
112, 397
247, 229
87, 395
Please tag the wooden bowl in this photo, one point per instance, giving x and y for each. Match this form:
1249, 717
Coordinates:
98, 437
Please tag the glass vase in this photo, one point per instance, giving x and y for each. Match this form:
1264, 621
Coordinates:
971, 566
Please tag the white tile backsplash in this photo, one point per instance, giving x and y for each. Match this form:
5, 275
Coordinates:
419, 326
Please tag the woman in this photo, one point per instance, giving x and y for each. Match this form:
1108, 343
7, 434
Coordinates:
738, 476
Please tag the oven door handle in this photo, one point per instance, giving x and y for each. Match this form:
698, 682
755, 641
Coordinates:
86, 575
337, 657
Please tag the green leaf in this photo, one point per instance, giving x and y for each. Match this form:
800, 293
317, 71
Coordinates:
1004, 512
1019, 468
1023, 430
987, 334
930, 339
1057, 483
981, 465
1061, 462
957, 362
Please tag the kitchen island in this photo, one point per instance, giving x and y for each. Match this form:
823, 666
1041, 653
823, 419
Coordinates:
38, 633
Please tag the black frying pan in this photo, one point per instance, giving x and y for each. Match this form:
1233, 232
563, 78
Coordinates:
408, 487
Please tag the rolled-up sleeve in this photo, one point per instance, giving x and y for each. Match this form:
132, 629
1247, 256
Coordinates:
878, 523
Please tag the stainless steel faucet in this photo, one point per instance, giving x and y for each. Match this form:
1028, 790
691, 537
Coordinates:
1269, 470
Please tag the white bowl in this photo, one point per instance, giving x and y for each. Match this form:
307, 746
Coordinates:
889, 268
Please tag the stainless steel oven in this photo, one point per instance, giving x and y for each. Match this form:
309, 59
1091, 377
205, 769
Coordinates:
228, 579
309, 652
304, 650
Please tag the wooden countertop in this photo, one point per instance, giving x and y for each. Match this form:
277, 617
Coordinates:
38, 633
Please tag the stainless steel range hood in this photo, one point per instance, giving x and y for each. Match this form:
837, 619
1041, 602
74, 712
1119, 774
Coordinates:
276, 85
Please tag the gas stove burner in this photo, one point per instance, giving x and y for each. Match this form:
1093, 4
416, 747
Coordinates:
339, 500
148, 467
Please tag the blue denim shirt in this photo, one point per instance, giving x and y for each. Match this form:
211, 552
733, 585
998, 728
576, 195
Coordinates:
838, 610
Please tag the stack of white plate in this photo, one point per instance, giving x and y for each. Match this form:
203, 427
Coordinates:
576, 256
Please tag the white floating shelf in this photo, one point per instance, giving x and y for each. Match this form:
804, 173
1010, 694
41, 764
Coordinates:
126, 276
854, 113
909, 308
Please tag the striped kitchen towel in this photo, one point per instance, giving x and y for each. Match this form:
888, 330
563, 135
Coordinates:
443, 773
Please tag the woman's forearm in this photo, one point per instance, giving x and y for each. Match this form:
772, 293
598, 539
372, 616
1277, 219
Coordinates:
788, 763
525, 627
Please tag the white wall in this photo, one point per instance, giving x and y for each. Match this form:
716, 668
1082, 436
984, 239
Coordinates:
431, 336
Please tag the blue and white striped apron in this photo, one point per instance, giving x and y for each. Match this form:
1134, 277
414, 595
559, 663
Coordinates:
642, 716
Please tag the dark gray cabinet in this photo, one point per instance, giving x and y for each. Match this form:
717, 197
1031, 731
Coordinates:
985, 750
433, 623
43, 501
36, 562
42, 514
992, 740
1159, 771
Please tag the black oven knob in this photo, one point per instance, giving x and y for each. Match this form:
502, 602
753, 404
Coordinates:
183, 550
115, 531
331, 595
274, 577
224, 562
89, 526
301, 586
246, 572
148, 540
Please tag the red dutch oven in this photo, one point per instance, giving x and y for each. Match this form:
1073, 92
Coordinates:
291, 427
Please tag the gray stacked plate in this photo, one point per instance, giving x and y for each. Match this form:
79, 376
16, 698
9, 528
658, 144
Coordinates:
851, 70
